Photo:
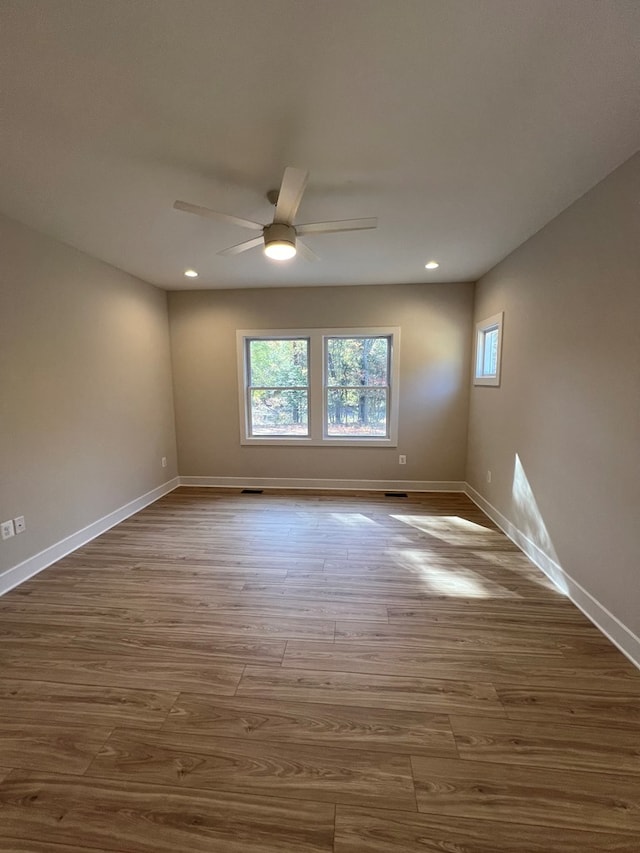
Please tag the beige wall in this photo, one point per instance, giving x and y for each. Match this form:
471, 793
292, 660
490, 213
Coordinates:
569, 403
86, 407
435, 323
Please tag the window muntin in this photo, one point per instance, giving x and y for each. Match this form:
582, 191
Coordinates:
277, 386
352, 402
488, 351
356, 394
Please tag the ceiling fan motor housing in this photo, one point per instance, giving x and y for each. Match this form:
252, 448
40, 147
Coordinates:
278, 232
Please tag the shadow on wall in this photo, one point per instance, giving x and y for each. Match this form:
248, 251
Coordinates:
528, 519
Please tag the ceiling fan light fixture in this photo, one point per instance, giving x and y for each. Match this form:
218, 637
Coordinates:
280, 241
278, 250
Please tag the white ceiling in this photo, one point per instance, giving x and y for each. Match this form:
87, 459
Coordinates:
464, 125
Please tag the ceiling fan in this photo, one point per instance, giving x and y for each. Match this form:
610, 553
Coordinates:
280, 237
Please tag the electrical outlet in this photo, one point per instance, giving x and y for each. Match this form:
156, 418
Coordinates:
402, 460
6, 529
20, 524
488, 476
164, 461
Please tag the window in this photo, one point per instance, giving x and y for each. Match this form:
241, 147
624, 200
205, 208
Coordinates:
278, 386
319, 387
357, 386
488, 349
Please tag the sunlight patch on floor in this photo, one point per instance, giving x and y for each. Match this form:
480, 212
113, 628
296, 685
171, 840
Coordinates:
352, 519
453, 530
435, 523
454, 581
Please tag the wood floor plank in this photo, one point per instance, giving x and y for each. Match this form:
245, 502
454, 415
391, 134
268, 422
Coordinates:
300, 771
36, 746
496, 565
170, 570
142, 818
14, 633
231, 566
275, 608
517, 639
206, 590
528, 795
331, 591
370, 691
556, 747
433, 582
580, 706
612, 665
141, 641
224, 550
189, 643
370, 831
560, 612
123, 618
506, 667
150, 671
374, 729
18, 845
463, 620
81, 704
242, 604
591, 646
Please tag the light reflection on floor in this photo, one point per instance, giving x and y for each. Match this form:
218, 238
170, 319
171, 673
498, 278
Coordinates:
444, 576
352, 519
455, 581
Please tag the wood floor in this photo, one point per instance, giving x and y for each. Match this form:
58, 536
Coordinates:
298, 673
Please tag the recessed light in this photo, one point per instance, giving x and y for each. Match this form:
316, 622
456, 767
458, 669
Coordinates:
432, 265
191, 274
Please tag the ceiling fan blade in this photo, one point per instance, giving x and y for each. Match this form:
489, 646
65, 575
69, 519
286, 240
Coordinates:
306, 252
339, 225
243, 247
293, 185
212, 214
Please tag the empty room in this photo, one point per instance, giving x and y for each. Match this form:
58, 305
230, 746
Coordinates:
319, 426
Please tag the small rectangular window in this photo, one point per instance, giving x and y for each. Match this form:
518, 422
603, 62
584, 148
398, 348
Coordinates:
488, 350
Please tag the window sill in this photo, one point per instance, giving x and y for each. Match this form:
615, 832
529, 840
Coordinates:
290, 441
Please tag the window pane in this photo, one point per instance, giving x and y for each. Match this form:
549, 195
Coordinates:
357, 412
490, 353
275, 412
357, 361
278, 363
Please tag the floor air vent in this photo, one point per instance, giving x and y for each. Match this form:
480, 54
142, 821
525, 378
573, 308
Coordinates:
251, 492
395, 494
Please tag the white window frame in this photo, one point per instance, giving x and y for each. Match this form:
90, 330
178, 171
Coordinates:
493, 323
317, 394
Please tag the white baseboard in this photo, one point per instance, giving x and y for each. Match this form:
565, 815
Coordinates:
342, 485
603, 619
31, 566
